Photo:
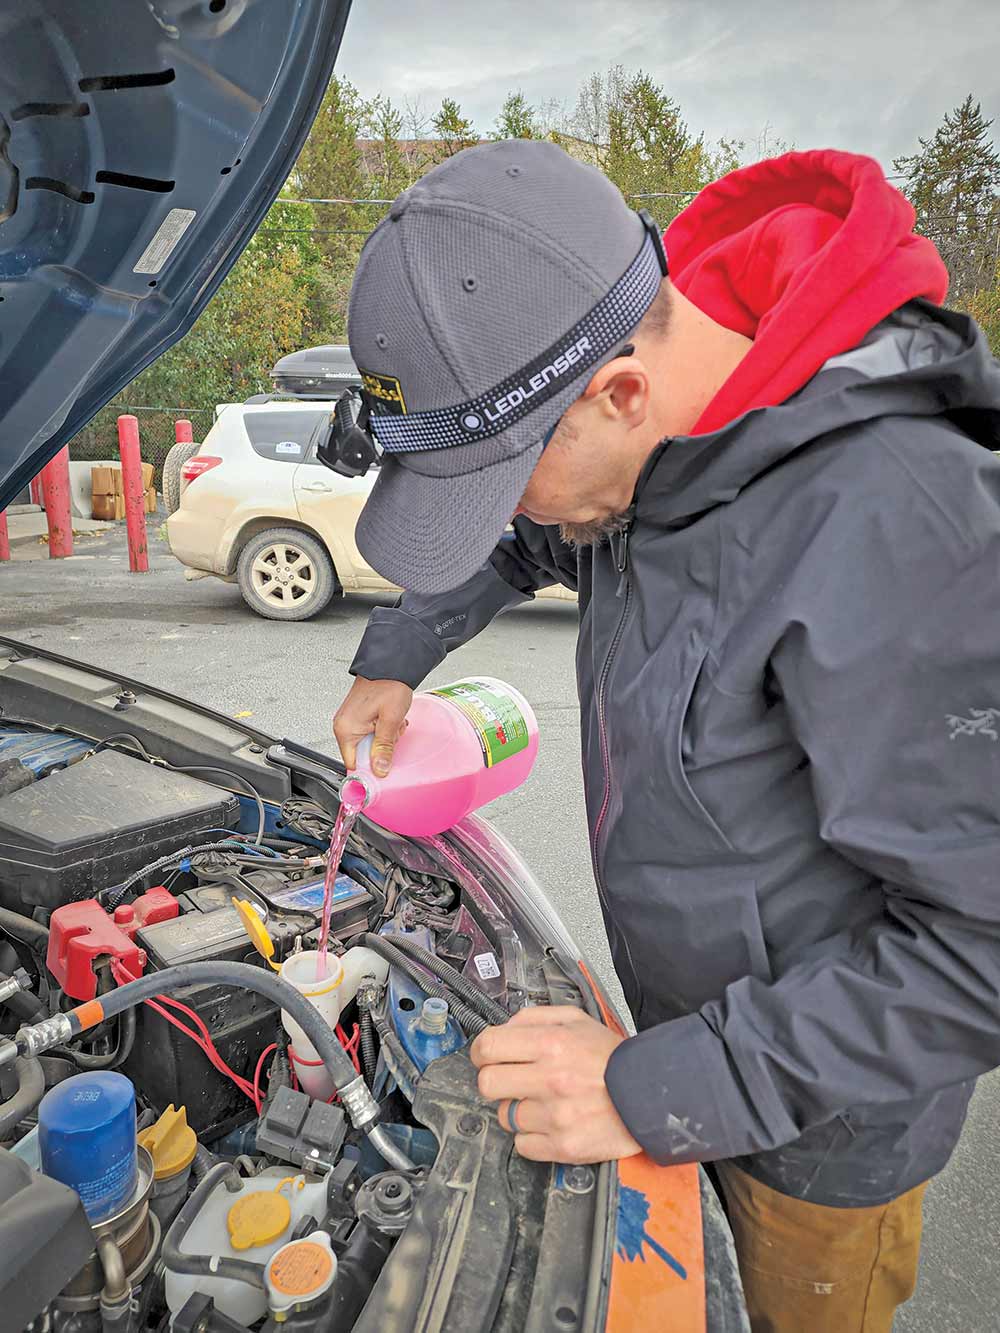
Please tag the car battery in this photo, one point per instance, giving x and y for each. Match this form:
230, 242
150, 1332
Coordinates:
304, 898
167, 1065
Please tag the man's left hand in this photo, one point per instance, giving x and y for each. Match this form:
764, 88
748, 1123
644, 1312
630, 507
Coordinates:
551, 1060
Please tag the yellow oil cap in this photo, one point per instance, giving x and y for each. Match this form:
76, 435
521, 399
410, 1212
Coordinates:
257, 1219
171, 1143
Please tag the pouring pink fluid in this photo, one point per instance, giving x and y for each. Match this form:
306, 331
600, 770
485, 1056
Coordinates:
466, 744
350, 808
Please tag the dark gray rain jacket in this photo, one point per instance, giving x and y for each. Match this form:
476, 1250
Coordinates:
789, 677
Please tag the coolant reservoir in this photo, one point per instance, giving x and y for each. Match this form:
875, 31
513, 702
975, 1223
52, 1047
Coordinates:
329, 987
251, 1224
465, 745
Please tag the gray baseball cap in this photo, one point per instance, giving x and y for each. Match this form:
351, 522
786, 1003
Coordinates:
482, 304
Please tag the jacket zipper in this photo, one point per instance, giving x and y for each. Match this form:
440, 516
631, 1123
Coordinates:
624, 584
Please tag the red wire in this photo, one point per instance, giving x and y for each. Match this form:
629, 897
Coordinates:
203, 1039
257, 1096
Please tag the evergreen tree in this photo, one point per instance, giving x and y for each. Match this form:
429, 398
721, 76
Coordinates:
331, 166
953, 183
389, 170
631, 129
517, 120
453, 129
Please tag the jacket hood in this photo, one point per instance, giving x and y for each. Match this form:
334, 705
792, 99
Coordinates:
804, 254
923, 361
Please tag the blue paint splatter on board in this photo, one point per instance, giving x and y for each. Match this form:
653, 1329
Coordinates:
633, 1214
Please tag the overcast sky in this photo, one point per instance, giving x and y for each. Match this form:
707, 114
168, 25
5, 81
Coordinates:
866, 75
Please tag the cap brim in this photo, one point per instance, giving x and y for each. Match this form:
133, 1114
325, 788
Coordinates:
430, 534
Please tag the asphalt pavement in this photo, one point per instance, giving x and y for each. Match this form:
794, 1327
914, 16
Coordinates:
199, 640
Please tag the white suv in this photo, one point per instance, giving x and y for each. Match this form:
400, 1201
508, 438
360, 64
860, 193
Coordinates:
258, 508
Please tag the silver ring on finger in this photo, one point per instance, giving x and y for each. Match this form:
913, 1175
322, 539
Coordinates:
515, 1128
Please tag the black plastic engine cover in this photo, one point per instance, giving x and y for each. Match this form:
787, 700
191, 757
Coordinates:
90, 826
45, 1240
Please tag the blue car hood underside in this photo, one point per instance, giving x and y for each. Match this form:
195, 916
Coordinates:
141, 144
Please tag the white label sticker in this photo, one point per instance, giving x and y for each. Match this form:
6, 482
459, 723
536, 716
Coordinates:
287, 447
163, 244
487, 965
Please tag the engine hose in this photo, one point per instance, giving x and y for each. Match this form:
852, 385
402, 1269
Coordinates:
23, 1004
203, 1161
354, 1093
398, 1063
122, 1051
467, 990
26, 930
357, 1272
369, 1056
30, 1091
175, 1260
472, 1022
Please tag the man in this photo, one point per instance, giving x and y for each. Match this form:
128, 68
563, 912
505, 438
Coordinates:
766, 477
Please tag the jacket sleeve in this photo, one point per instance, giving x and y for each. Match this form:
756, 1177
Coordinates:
407, 641
891, 679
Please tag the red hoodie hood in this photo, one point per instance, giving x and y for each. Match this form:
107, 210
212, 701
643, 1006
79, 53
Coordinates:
805, 254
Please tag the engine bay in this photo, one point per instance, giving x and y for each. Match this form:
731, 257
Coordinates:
257, 1202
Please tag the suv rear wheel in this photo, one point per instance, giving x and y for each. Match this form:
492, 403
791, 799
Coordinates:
285, 574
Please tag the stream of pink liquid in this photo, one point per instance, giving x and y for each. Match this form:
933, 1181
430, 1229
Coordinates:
346, 819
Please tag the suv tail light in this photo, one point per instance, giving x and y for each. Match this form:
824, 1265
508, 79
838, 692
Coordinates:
194, 467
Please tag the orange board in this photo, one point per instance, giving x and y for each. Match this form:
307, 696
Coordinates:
658, 1272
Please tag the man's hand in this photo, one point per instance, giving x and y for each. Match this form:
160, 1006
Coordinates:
551, 1060
378, 706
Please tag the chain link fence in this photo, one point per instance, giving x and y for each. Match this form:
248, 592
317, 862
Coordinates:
99, 439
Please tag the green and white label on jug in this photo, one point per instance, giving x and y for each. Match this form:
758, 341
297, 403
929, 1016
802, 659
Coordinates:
499, 722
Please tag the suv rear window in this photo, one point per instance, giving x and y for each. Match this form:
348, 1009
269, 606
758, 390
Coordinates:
284, 437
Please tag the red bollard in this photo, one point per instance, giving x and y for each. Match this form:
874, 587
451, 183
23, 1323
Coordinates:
55, 494
135, 496
183, 432
4, 538
36, 490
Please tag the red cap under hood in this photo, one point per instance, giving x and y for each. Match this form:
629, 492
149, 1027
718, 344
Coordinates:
805, 254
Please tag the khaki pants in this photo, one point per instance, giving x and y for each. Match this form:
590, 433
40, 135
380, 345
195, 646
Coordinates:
807, 1268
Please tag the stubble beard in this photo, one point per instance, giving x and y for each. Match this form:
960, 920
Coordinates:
593, 533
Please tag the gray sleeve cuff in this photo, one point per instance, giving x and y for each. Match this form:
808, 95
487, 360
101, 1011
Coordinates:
406, 642
396, 646
672, 1087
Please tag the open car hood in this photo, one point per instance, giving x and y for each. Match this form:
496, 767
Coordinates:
141, 144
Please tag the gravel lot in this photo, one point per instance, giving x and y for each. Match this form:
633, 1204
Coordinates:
199, 640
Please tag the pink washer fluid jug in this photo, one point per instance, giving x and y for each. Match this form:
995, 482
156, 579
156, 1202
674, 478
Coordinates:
466, 744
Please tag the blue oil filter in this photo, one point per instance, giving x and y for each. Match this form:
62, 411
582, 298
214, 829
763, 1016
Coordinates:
86, 1131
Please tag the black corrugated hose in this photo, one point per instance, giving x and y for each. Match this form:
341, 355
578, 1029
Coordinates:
471, 1022
467, 991
398, 1063
369, 1056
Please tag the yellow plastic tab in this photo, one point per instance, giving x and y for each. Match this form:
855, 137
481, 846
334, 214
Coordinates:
301, 1268
171, 1143
257, 1219
257, 931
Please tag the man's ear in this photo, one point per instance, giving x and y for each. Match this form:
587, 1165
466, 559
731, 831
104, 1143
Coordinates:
620, 389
